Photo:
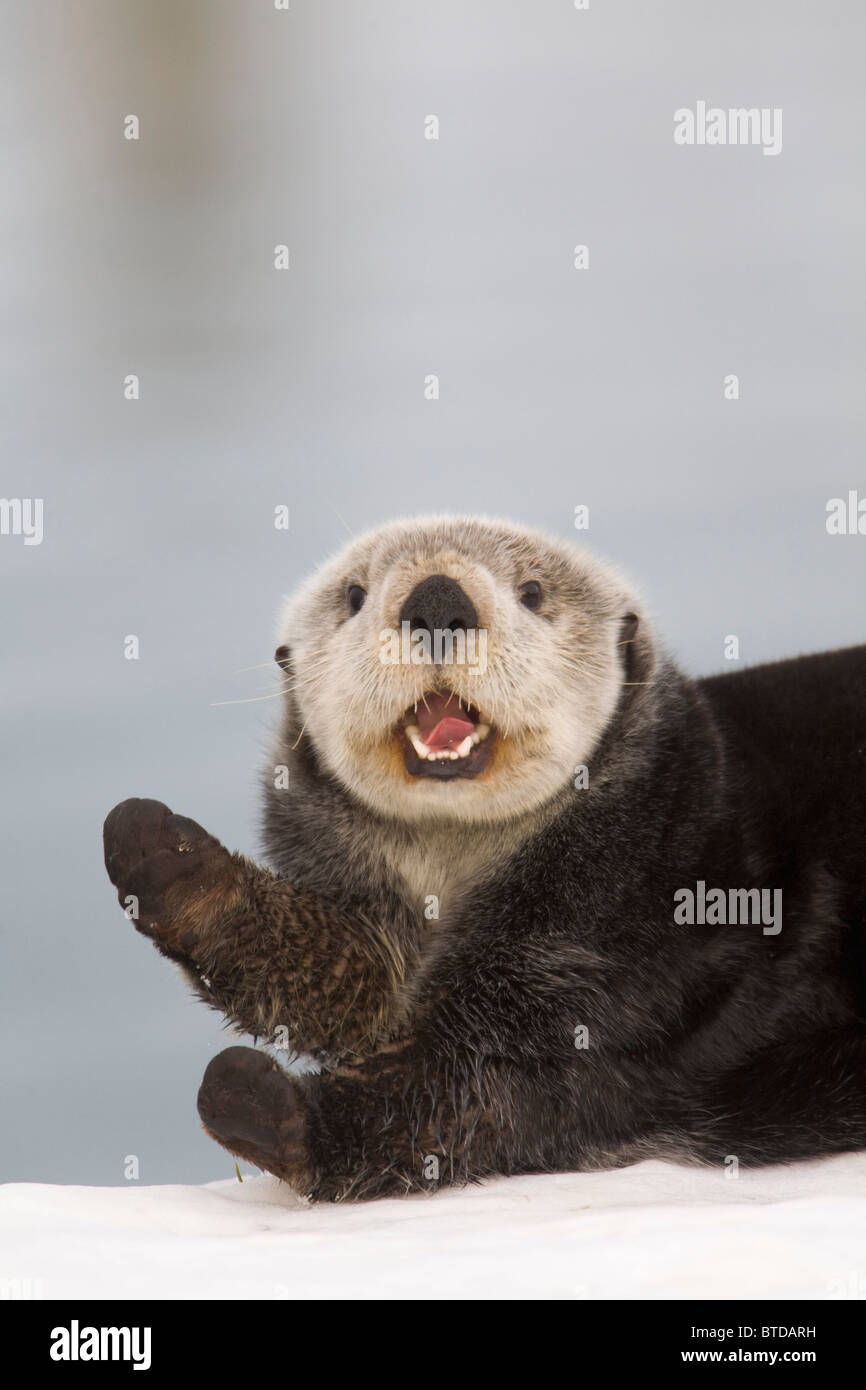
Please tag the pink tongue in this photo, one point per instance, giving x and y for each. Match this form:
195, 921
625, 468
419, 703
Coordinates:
448, 733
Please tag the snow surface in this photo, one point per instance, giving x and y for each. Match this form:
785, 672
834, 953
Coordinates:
650, 1231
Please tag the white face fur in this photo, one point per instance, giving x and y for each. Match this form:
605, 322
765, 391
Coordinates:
545, 689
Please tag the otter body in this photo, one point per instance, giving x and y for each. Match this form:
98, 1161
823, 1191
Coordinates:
662, 955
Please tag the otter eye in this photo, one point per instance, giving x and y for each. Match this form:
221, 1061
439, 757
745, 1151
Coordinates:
530, 594
356, 596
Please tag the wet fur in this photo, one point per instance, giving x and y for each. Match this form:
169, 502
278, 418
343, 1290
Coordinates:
454, 1040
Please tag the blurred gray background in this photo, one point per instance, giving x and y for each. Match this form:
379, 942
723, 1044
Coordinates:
558, 387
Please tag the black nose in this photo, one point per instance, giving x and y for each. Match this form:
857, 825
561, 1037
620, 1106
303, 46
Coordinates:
439, 603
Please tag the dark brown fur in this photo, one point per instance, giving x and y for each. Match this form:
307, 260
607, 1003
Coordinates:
449, 1051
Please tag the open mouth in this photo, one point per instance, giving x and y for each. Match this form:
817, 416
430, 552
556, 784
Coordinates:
444, 737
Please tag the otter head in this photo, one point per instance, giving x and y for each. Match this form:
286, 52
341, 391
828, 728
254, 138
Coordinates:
453, 668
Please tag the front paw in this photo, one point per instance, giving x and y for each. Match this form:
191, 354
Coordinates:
171, 876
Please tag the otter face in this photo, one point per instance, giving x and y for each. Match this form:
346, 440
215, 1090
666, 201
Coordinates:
451, 668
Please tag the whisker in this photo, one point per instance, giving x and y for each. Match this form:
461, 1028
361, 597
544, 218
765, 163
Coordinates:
300, 735
249, 700
258, 667
339, 518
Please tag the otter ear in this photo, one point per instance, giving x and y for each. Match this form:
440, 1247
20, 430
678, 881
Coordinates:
636, 650
283, 658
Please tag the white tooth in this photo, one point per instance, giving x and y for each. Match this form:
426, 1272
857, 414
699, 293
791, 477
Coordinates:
465, 747
418, 744
482, 730
412, 731
453, 756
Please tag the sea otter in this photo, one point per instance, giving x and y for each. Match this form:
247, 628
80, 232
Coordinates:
474, 916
